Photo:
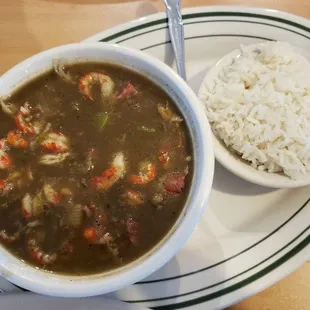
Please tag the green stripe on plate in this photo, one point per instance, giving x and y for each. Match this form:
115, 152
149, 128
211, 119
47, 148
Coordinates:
215, 21
245, 282
207, 14
233, 256
209, 36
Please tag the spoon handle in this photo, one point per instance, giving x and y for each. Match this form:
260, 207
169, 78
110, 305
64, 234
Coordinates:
176, 31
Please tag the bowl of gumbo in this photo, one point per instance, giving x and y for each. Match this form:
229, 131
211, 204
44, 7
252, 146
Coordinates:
97, 163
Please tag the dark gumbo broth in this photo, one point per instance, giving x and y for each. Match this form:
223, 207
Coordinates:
95, 168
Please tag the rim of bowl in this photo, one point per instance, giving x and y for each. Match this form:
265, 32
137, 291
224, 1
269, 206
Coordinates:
42, 282
232, 161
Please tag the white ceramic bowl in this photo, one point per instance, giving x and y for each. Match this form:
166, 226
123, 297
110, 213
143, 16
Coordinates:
232, 161
77, 286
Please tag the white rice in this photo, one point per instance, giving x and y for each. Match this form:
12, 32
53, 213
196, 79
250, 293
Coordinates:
259, 105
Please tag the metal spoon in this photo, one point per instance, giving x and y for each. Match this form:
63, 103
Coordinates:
176, 31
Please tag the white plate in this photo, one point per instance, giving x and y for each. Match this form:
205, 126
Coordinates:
249, 236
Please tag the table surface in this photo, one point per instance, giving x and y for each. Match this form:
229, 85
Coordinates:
30, 26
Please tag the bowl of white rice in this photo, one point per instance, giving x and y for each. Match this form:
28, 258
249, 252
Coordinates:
257, 100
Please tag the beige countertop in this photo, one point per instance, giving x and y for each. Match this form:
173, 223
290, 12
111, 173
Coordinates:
30, 26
